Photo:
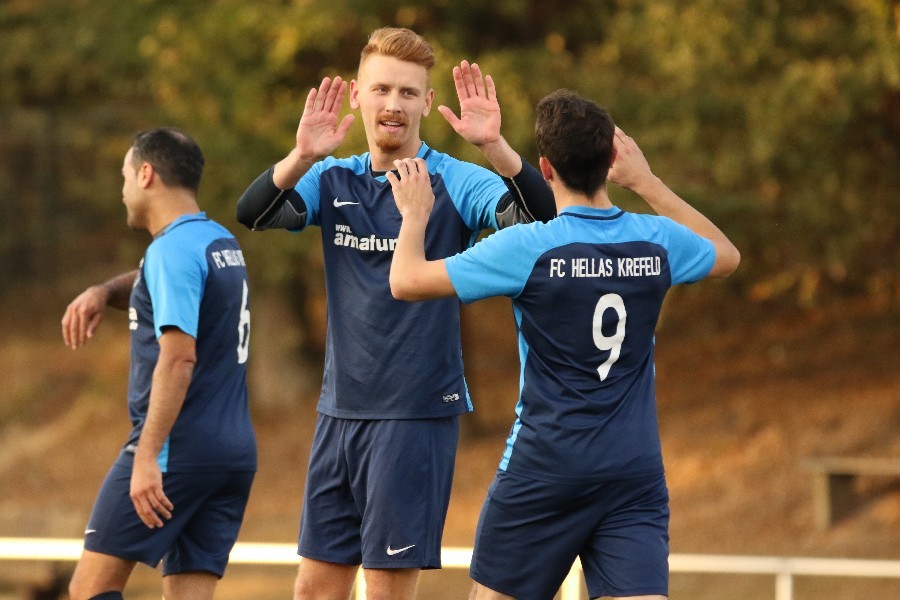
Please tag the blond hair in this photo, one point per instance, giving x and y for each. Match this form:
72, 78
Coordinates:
399, 43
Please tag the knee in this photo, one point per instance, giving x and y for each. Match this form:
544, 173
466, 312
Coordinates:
78, 591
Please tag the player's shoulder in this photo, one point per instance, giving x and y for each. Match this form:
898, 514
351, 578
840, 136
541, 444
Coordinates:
358, 163
190, 234
446, 164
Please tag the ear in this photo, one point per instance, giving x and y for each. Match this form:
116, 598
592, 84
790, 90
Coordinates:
354, 94
546, 168
145, 175
429, 99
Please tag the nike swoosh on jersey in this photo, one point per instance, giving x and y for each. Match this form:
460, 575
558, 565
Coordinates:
391, 551
339, 203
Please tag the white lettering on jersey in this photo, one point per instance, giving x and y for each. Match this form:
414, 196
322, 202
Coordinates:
591, 267
344, 237
228, 258
641, 266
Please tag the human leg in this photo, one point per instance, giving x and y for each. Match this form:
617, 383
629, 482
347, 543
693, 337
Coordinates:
98, 573
528, 536
627, 553
480, 592
320, 580
198, 585
391, 584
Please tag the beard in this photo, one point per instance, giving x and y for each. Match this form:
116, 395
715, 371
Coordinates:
389, 142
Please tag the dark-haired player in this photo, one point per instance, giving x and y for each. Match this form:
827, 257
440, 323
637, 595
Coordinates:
582, 474
178, 489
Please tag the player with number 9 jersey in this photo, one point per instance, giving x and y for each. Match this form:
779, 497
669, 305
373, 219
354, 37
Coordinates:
582, 475
587, 289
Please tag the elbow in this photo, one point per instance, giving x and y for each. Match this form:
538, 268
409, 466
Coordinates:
727, 262
243, 213
401, 289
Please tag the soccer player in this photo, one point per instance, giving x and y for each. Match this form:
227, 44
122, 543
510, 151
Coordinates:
381, 465
178, 489
582, 474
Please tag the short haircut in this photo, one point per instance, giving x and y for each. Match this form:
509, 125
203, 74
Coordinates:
399, 43
175, 157
576, 136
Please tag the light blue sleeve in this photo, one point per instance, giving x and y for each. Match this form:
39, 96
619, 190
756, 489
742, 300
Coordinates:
308, 188
691, 256
176, 277
474, 190
498, 265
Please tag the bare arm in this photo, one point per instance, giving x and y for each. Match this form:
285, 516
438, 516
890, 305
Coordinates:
479, 120
479, 124
631, 171
318, 134
413, 276
84, 313
171, 378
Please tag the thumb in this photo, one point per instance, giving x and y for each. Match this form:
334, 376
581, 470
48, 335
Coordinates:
345, 124
450, 116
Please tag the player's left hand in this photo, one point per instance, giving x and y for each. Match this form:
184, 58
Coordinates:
412, 187
150, 502
629, 168
479, 120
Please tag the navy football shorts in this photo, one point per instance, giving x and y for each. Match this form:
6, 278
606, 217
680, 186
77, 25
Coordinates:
377, 492
530, 532
209, 508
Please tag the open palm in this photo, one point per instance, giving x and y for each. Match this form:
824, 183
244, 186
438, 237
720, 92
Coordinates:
320, 132
479, 120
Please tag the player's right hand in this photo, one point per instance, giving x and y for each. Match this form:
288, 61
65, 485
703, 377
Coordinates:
83, 315
319, 132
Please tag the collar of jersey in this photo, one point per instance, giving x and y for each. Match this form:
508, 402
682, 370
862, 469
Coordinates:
200, 216
423, 152
592, 213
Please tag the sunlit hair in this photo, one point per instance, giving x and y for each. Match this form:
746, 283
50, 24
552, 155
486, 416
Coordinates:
576, 136
399, 43
175, 157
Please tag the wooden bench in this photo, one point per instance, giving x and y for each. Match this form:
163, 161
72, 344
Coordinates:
833, 495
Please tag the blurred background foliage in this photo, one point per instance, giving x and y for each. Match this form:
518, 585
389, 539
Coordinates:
780, 120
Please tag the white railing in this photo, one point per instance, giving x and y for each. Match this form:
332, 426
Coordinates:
783, 568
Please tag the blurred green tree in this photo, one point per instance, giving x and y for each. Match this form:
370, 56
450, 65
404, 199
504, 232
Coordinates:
782, 121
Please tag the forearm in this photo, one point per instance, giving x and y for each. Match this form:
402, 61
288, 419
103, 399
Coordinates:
531, 193
413, 277
409, 254
118, 290
502, 157
668, 204
288, 171
171, 379
263, 205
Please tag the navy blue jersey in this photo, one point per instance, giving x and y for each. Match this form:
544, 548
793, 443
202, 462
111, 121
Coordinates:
587, 289
193, 277
386, 359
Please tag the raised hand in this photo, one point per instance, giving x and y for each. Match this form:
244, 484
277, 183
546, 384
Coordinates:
319, 132
629, 168
479, 120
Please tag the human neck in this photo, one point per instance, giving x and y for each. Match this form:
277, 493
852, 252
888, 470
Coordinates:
566, 197
172, 207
